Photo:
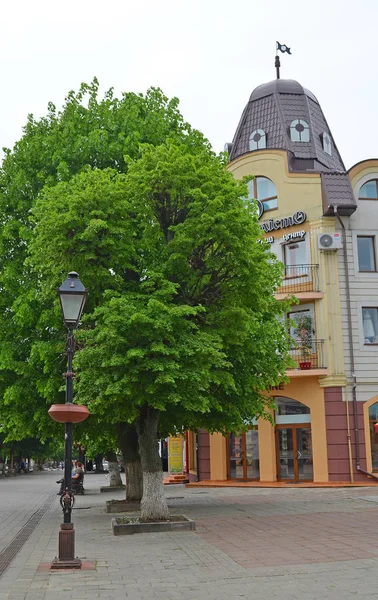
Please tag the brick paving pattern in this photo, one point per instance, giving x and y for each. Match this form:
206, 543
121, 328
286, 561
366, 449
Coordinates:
260, 544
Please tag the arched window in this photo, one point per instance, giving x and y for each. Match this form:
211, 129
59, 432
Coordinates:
264, 190
257, 140
299, 131
327, 145
369, 191
373, 426
288, 406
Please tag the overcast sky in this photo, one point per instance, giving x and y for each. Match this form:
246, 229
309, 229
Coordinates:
209, 53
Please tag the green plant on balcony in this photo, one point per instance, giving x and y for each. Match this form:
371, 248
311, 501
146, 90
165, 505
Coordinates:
303, 334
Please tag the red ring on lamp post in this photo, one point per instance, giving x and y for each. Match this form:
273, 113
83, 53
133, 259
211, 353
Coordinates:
68, 413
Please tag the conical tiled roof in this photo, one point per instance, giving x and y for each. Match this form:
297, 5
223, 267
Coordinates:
272, 107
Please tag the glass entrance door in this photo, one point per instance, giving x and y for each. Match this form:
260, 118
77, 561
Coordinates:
294, 453
243, 451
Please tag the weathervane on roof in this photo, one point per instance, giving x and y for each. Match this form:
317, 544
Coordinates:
282, 48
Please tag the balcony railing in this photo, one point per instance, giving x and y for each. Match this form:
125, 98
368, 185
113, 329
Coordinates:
309, 356
299, 278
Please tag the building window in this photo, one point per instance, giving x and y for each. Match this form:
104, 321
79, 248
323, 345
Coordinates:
295, 255
373, 426
264, 190
302, 324
370, 325
257, 140
299, 131
366, 253
369, 191
327, 145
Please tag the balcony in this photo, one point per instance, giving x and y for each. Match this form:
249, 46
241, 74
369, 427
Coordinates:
300, 281
310, 360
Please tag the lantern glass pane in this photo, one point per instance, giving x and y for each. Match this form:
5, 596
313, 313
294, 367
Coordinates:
72, 305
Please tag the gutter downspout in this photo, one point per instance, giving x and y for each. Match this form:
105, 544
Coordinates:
352, 364
350, 335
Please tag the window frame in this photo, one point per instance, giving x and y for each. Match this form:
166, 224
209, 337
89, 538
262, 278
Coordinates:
364, 307
306, 128
371, 237
255, 194
326, 141
261, 141
376, 189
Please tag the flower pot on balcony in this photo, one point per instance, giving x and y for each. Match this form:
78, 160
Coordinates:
305, 365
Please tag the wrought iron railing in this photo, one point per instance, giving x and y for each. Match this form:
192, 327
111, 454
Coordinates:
300, 278
309, 355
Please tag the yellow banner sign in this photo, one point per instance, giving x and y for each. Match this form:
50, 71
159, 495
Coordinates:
175, 462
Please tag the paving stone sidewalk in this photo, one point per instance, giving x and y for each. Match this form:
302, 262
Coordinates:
265, 544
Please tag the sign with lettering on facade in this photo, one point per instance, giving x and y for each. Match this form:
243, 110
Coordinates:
297, 218
294, 235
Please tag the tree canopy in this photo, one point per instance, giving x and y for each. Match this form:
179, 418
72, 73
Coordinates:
88, 132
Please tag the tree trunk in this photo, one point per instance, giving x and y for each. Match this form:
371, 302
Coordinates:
128, 443
98, 463
114, 474
153, 506
11, 468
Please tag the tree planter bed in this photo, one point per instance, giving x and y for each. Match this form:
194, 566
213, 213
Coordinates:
130, 525
118, 506
111, 488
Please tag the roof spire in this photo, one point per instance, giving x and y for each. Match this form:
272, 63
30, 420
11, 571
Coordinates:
277, 64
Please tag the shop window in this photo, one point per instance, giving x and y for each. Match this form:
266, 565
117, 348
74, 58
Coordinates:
257, 140
366, 253
264, 190
370, 325
369, 191
243, 448
299, 131
373, 427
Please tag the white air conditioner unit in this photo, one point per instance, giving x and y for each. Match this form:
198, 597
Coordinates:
329, 241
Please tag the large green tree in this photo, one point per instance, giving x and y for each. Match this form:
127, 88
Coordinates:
183, 329
88, 132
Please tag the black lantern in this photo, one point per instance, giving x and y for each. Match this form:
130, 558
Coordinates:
72, 296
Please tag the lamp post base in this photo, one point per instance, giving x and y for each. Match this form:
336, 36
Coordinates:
66, 558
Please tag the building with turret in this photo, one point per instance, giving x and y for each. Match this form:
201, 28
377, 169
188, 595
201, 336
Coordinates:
317, 218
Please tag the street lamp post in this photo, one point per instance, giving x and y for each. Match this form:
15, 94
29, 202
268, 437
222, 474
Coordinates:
72, 296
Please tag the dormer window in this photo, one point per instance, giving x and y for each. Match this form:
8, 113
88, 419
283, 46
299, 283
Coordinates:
257, 140
299, 131
327, 145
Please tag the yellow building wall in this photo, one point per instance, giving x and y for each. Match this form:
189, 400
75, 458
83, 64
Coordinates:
298, 191
295, 191
218, 457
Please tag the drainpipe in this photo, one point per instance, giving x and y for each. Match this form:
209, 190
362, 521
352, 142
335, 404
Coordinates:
197, 455
352, 364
